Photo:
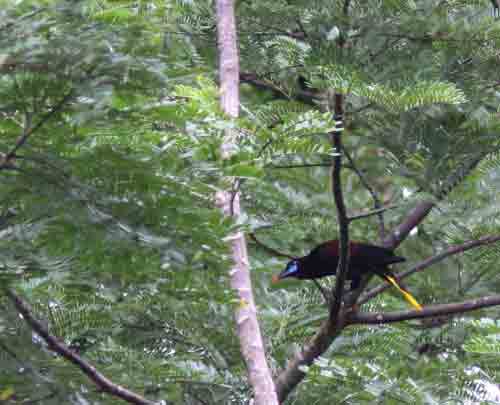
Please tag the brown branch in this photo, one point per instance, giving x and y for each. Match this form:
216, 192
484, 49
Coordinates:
376, 200
59, 347
452, 250
32, 129
415, 217
320, 342
261, 83
306, 96
431, 311
342, 218
269, 249
333, 326
371, 213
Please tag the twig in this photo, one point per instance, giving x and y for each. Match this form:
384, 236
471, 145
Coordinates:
10, 352
269, 249
373, 212
50, 395
24, 17
376, 201
427, 312
306, 96
301, 166
323, 292
453, 250
31, 130
262, 83
59, 347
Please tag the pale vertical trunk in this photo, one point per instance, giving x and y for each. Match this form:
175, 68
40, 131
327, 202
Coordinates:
248, 329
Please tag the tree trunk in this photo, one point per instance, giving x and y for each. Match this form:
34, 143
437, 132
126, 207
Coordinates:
248, 329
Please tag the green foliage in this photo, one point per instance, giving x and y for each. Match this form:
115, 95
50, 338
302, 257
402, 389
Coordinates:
108, 225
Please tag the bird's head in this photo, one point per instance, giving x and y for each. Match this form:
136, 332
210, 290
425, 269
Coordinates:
292, 270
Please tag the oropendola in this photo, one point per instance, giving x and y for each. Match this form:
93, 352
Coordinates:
322, 261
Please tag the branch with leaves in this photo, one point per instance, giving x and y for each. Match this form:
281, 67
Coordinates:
105, 384
6, 160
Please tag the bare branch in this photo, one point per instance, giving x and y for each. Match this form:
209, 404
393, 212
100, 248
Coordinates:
427, 312
376, 200
371, 213
59, 347
415, 217
452, 250
342, 219
321, 341
301, 166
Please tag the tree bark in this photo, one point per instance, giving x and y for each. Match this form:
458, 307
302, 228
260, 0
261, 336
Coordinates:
251, 343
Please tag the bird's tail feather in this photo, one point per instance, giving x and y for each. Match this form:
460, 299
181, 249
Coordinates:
406, 294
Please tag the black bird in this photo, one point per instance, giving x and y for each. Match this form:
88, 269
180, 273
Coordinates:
322, 261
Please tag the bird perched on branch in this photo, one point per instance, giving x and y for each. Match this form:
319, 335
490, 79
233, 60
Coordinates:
364, 259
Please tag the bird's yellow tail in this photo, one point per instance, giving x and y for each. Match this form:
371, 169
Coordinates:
408, 297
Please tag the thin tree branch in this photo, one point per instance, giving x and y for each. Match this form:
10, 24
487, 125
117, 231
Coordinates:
59, 347
342, 218
452, 250
262, 83
306, 96
323, 292
11, 353
427, 312
371, 213
301, 166
269, 249
30, 130
376, 200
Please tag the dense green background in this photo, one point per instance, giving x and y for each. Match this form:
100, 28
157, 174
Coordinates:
108, 225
